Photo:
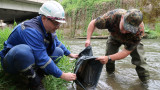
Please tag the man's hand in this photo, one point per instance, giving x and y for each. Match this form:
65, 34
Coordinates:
73, 55
87, 43
103, 59
68, 76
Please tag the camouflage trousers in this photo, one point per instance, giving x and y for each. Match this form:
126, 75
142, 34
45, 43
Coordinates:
138, 59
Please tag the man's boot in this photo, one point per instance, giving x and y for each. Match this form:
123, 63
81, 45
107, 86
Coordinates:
35, 81
143, 74
110, 67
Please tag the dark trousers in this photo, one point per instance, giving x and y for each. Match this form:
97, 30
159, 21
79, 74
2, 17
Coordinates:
138, 59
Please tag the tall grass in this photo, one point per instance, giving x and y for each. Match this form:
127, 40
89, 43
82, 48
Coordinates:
12, 82
4, 33
71, 5
152, 34
80, 13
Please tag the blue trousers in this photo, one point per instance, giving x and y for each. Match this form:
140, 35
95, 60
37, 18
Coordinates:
20, 58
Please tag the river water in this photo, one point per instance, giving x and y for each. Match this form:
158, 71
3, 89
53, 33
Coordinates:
125, 76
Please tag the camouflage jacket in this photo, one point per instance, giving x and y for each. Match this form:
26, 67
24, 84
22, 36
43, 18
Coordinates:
110, 21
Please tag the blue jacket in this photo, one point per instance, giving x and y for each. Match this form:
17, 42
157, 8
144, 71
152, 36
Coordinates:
33, 33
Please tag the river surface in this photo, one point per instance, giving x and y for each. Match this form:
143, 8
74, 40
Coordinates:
125, 76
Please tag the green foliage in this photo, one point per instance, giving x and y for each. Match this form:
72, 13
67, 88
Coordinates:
153, 33
56, 83
59, 35
71, 5
157, 27
85, 8
146, 29
4, 33
95, 34
15, 23
4, 79
118, 4
11, 82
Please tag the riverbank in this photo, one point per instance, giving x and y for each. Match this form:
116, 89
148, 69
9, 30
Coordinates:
93, 37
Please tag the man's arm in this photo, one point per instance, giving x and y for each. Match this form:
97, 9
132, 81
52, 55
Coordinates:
91, 28
142, 28
117, 56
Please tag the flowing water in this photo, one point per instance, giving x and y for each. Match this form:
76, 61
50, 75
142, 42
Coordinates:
125, 76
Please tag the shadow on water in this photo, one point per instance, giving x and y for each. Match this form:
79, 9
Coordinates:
125, 76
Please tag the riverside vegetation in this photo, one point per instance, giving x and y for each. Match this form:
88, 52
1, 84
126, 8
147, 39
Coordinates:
80, 12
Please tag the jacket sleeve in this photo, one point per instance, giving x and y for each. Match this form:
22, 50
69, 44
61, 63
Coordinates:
35, 40
62, 46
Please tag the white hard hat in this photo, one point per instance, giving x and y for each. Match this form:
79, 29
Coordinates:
53, 10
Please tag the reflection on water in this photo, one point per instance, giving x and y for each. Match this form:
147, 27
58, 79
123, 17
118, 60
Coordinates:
125, 76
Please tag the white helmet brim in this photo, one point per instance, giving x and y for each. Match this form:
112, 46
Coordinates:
61, 21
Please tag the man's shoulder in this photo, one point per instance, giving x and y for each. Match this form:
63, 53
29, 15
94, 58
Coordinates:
114, 14
118, 11
33, 25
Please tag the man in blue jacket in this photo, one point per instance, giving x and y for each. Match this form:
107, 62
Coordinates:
33, 48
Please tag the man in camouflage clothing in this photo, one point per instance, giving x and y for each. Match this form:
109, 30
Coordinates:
126, 28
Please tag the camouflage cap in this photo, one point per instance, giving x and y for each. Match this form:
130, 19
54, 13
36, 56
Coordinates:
132, 19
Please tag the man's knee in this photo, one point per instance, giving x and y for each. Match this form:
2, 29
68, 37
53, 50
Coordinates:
22, 50
21, 56
59, 51
57, 54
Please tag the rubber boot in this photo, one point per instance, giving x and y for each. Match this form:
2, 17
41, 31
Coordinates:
142, 74
35, 81
110, 67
